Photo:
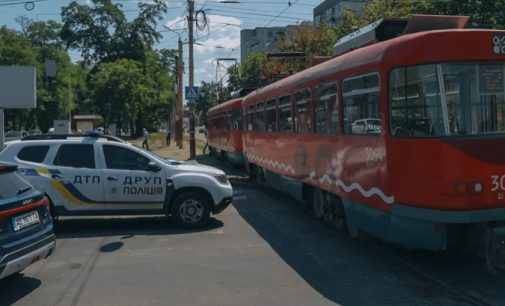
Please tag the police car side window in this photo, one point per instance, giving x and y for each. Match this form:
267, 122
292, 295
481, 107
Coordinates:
124, 159
76, 156
35, 154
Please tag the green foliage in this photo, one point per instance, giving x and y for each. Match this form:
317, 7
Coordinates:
38, 42
250, 74
103, 33
129, 93
312, 41
121, 76
319, 41
483, 13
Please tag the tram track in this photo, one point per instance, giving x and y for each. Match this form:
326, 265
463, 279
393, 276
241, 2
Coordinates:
468, 296
425, 275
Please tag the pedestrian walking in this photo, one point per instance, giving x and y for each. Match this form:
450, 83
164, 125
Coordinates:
145, 143
169, 137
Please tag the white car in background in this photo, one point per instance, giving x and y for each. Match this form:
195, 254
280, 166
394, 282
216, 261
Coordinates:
366, 126
102, 175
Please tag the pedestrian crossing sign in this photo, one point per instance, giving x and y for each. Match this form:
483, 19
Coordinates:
192, 93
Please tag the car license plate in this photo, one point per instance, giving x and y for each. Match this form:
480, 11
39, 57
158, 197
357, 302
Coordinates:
25, 220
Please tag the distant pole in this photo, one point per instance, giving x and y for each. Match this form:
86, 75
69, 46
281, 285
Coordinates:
69, 107
192, 146
179, 107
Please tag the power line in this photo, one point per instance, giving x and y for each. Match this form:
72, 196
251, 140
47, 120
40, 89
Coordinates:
282, 12
255, 14
256, 11
29, 5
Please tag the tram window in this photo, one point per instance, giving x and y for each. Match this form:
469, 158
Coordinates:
271, 116
285, 115
303, 118
259, 117
448, 99
416, 105
361, 105
326, 112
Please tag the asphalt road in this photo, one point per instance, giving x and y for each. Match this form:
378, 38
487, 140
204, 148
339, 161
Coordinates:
264, 250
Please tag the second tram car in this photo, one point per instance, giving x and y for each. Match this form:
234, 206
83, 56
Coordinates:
403, 139
224, 130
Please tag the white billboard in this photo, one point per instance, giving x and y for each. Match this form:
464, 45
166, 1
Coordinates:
61, 126
18, 87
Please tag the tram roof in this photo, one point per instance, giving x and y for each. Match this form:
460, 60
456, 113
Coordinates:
230, 104
402, 50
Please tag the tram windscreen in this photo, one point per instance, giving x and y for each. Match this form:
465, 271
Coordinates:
448, 99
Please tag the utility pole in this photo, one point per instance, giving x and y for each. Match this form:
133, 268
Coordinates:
191, 9
219, 82
179, 111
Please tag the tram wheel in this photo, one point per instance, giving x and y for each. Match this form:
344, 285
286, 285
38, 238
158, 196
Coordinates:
317, 204
333, 212
494, 251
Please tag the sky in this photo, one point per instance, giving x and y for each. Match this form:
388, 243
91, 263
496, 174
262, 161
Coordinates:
220, 39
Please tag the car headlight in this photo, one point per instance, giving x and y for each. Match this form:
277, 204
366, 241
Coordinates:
222, 178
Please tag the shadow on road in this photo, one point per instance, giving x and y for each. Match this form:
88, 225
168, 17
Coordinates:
16, 287
364, 272
123, 226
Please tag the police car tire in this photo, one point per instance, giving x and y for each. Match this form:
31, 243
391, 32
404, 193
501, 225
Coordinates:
191, 197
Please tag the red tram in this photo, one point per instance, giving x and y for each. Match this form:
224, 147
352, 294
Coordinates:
224, 126
403, 139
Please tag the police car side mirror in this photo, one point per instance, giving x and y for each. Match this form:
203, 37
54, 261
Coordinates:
153, 167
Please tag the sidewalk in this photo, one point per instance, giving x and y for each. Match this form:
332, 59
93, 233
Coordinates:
172, 151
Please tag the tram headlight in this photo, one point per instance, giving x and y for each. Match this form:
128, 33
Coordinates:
468, 187
477, 187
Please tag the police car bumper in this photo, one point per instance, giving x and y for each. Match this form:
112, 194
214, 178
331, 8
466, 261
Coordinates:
222, 205
23, 257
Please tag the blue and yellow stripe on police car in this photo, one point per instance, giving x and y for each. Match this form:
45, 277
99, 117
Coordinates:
39, 172
66, 190
71, 193
65, 193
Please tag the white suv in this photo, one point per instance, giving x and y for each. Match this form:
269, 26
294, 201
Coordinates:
102, 175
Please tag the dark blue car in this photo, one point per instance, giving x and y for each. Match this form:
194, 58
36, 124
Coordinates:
26, 226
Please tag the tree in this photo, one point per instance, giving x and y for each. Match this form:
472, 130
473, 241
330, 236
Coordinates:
132, 84
130, 96
208, 97
312, 41
251, 74
56, 97
103, 33
37, 42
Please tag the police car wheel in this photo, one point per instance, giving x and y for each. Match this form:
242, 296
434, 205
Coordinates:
191, 209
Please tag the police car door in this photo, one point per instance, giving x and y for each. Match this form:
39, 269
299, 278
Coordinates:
75, 178
128, 179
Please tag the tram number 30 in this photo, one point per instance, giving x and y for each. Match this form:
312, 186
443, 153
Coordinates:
498, 185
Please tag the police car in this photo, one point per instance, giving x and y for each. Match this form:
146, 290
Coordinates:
103, 175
